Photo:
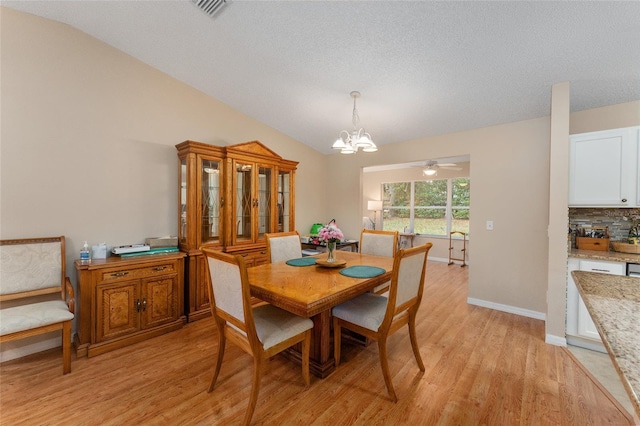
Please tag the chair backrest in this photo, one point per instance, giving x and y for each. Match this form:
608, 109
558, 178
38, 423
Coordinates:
229, 290
380, 243
283, 246
407, 280
34, 265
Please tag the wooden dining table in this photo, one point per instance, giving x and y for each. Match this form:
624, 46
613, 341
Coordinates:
311, 292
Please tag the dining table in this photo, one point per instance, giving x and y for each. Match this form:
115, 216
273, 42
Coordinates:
309, 287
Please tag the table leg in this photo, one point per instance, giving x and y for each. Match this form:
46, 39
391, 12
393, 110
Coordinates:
321, 362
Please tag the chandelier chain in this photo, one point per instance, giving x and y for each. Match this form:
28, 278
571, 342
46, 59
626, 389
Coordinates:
355, 118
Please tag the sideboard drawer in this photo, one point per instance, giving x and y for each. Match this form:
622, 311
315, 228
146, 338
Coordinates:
129, 273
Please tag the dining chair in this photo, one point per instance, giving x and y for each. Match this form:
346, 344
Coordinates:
380, 243
377, 317
261, 331
283, 246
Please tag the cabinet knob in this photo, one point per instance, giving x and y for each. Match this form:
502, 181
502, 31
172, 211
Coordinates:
120, 274
159, 268
144, 305
138, 305
624, 200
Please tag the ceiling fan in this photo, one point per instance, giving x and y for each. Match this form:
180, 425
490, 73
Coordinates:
430, 167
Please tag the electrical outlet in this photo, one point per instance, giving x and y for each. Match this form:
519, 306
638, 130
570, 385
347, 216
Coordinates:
489, 225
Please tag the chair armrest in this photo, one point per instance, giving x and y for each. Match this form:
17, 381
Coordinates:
71, 300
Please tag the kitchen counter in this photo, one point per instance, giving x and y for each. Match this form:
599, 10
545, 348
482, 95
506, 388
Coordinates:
611, 256
613, 302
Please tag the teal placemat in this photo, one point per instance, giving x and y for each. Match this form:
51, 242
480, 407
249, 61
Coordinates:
302, 261
361, 271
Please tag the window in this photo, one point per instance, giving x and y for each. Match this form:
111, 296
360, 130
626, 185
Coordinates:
432, 207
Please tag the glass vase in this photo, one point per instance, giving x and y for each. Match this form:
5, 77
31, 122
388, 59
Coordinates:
331, 252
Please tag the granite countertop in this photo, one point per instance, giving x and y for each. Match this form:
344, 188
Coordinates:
613, 302
611, 256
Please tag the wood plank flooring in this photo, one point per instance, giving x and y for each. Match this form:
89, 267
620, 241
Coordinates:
483, 367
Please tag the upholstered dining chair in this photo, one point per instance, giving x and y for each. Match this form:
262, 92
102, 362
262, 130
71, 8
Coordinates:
283, 246
261, 331
377, 317
380, 243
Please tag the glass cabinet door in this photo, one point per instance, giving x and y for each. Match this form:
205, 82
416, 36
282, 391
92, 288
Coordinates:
210, 201
284, 201
182, 229
265, 200
254, 201
244, 202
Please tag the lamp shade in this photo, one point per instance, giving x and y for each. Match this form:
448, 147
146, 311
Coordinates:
374, 205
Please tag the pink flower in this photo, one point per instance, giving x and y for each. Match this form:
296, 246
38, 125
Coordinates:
330, 233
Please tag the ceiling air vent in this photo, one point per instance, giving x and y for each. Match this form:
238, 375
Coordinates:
210, 7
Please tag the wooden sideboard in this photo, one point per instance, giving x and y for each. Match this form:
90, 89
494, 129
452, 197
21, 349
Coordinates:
126, 300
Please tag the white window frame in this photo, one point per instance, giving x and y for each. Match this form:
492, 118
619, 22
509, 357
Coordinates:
448, 207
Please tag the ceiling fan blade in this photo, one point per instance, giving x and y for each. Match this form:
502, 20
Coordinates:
450, 168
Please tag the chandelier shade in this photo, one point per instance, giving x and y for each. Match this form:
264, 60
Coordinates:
349, 142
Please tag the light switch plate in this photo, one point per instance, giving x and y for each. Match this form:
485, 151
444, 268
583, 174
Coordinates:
489, 225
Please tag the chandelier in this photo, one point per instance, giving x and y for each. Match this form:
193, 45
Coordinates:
350, 142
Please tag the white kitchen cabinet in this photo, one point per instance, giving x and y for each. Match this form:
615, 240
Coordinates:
581, 331
603, 169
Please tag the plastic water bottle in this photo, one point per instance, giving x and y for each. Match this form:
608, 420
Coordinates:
85, 255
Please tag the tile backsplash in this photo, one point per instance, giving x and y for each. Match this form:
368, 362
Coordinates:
618, 220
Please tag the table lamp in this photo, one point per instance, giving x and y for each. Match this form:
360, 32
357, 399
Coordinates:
374, 206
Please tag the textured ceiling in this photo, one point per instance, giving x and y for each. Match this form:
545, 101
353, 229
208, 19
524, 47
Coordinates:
423, 67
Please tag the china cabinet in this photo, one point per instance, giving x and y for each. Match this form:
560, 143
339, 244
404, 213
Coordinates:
126, 300
603, 168
229, 197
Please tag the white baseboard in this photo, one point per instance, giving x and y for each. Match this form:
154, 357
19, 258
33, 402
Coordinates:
506, 308
555, 340
446, 260
29, 345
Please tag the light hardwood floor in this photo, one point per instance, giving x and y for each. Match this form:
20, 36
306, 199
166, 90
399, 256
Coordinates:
482, 367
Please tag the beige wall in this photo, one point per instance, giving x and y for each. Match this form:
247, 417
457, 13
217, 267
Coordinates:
558, 214
87, 143
609, 117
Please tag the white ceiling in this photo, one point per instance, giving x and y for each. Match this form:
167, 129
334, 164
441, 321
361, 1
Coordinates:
423, 67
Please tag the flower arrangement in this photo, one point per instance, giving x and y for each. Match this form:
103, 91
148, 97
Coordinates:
330, 234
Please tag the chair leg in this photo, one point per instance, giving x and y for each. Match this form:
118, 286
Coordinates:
336, 340
306, 349
66, 347
222, 340
382, 348
255, 387
414, 341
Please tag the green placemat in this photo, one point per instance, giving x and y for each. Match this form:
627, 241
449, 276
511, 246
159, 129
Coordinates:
361, 271
302, 261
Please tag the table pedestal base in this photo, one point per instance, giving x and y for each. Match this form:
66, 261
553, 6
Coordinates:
321, 361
